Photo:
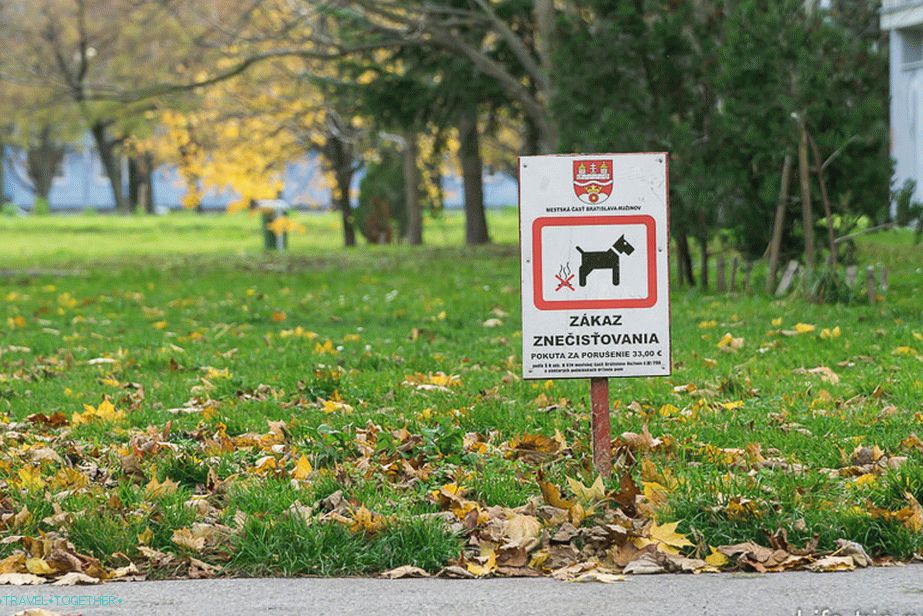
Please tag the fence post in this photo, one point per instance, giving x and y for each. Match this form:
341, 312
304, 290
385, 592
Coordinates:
870, 283
787, 278
733, 283
748, 270
852, 272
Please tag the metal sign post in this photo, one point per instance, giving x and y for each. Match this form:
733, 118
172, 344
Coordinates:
595, 286
599, 403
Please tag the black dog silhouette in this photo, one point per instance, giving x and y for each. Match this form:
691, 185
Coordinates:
608, 259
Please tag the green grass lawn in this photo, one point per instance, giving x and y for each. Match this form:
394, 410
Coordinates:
231, 371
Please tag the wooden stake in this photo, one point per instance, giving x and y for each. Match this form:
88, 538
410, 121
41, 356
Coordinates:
720, 284
599, 403
733, 283
870, 284
807, 215
852, 272
775, 245
787, 278
825, 199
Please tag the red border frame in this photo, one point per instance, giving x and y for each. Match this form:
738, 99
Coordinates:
566, 221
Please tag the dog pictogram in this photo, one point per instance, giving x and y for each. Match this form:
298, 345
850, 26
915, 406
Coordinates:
607, 259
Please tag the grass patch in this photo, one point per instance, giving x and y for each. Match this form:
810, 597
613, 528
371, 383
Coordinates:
183, 321
288, 545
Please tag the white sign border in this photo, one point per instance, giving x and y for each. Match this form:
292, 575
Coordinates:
666, 162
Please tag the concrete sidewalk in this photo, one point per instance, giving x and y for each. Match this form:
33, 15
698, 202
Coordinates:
890, 591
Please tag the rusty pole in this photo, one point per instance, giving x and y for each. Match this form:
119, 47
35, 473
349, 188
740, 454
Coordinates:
599, 403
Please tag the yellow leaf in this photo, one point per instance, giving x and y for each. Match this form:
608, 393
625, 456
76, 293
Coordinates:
578, 514
533, 442
366, 520
38, 566
730, 406
716, 559
777, 322
145, 536
185, 538
804, 328
264, 465
333, 406
489, 556
655, 492
15, 563
911, 515
729, 343
668, 410
668, 540
595, 492
106, 411
552, 495
31, 478
213, 373
740, 508
157, 488
302, 469
827, 333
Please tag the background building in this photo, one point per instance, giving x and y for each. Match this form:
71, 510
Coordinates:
80, 183
903, 19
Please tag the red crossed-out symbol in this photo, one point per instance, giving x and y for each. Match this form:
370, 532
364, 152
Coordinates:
564, 282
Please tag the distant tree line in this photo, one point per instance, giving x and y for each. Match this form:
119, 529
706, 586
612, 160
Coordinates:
775, 113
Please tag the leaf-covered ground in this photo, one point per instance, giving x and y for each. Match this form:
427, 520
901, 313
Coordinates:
203, 409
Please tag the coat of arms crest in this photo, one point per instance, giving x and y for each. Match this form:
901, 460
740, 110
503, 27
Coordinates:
593, 180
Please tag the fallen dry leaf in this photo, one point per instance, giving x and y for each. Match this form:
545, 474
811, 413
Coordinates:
75, 578
826, 374
832, 563
407, 571
855, 551
599, 576
20, 579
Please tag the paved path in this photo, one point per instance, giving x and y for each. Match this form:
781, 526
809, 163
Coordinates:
894, 591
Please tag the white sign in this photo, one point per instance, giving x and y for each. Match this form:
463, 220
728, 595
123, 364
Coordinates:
595, 280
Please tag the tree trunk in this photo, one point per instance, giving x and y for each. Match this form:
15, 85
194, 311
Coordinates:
531, 139
684, 259
703, 261
140, 184
344, 179
775, 245
148, 159
42, 161
807, 217
412, 190
469, 154
543, 13
107, 154
825, 199
2, 172
134, 183
339, 156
